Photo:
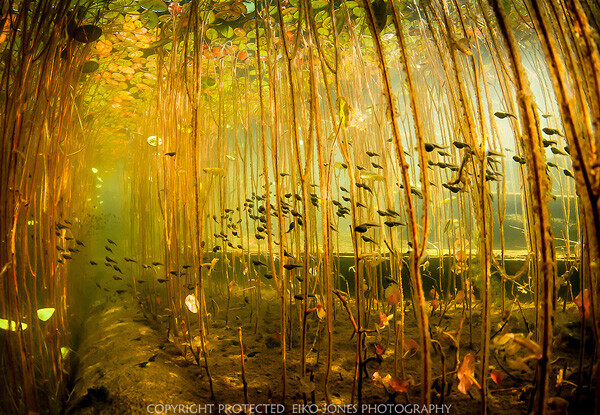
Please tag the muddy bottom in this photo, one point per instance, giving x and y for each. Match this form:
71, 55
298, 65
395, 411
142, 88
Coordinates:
130, 364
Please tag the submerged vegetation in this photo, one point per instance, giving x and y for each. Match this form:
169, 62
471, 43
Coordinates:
400, 199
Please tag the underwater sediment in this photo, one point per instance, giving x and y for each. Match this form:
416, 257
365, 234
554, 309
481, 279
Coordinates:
316, 205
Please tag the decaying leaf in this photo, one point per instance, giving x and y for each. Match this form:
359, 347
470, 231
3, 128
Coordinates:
384, 320
399, 385
583, 303
496, 376
466, 374
392, 294
320, 311
411, 347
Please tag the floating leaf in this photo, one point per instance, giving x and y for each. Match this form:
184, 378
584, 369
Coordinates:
45, 313
226, 31
149, 19
87, 33
228, 15
90, 66
64, 351
104, 47
212, 34
154, 5
319, 4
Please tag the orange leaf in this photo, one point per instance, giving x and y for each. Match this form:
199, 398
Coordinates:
433, 293
379, 349
383, 320
466, 373
460, 296
377, 380
435, 304
583, 302
497, 376
399, 385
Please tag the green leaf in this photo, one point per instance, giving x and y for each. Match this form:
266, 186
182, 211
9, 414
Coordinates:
226, 31
45, 313
64, 351
319, 4
249, 6
4, 325
149, 19
212, 34
154, 5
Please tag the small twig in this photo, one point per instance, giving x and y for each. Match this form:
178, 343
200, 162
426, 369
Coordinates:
347, 307
522, 315
243, 366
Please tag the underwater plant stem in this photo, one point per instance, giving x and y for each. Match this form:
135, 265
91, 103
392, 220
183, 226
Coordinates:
198, 33
538, 182
325, 183
419, 301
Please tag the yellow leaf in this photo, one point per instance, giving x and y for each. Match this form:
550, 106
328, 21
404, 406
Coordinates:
343, 112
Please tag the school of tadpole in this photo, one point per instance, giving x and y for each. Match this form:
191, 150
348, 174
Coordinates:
327, 203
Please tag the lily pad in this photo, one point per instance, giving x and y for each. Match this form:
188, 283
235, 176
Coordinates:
149, 19
87, 33
228, 15
154, 5
249, 6
319, 4
226, 31
90, 66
